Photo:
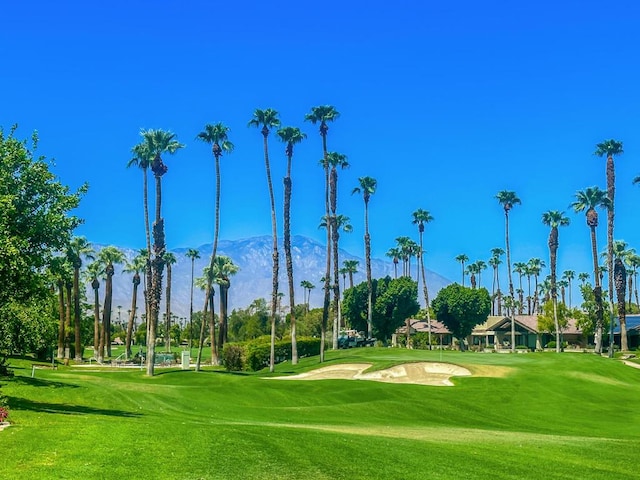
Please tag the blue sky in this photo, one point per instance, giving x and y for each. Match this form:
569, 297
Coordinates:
445, 103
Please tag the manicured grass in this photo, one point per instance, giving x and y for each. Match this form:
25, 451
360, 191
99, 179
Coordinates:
547, 416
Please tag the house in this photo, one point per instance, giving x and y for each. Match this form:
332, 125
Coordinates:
495, 333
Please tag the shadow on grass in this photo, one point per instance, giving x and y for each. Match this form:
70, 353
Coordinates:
65, 409
38, 382
219, 372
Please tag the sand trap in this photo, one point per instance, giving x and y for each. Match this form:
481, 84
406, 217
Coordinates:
421, 373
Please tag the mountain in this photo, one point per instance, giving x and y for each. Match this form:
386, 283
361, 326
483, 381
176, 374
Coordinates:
253, 280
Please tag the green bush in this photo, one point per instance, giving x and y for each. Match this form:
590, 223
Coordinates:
233, 357
522, 347
258, 352
552, 344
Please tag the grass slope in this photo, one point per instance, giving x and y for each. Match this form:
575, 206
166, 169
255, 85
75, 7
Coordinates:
548, 416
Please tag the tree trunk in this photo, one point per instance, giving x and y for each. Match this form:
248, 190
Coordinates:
106, 312
215, 357
597, 289
96, 319
327, 276
508, 249
620, 276
76, 313
553, 250
61, 319
168, 306
289, 261
67, 323
610, 214
132, 315
425, 291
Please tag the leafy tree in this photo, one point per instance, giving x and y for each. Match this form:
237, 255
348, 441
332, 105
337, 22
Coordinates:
268, 119
35, 226
587, 317
394, 301
460, 309
291, 136
554, 319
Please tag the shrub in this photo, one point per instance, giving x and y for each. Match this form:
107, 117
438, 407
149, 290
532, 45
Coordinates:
233, 357
258, 352
552, 344
4, 368
522, 347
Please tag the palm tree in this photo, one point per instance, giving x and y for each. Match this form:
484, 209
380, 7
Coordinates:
394, 253
350, 267
367, 186
520, 268
588, 200
633, 262
608, 149
157, 143
535, 267
291, 136
335, 160
569, 275
472, 270
77, 248
223, 269
108, 257
583, 277
169, 260
420, 218
563, 284
268, 119
192, 254
462, 258
307, 287
554, 219
495, 262
621, 255
95, 270
216, 135
137, 265
207, 313
508, 200
480, 266
323, 114
61, 270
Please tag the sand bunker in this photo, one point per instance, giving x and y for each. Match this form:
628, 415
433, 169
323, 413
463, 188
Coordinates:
421, 373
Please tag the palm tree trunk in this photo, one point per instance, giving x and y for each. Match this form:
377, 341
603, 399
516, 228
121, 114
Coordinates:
203, 322
76, 313
367, 253
597, 292
215, 359
191, 308
96, 320
274, 233
508, 249
289, 261
157, 267
553, 249
67, 323
620, 276
610, 214
61, 317
168, 307
132, 315
327, 276
425, 291
105, 341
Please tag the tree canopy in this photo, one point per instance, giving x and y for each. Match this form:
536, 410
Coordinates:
35, 226
461, 308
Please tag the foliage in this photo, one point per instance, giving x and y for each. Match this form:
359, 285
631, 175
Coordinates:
546, 322
35, 226
4, 413
394, 301
233, 357
586, 316
461, 308
257, 352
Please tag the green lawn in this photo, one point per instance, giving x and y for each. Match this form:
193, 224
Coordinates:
549, 416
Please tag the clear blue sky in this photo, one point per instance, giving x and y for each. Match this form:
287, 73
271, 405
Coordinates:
443, 102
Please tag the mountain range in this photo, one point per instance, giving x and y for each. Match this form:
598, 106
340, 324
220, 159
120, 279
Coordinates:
253, 280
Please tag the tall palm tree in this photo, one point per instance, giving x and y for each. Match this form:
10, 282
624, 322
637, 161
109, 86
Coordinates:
216, 135
335, 160
157, 143
61, 270
367, 186
480, 266
108, 257
554, 219
350, 267
322, 115
472, 270
223, 269
394, 254
207, 314
420, 218
535, 266
266, 120
520, 268
169, 260
569, 276
587, 201
137, 265
495, 262
462, 258
193, 254
608, 149
508, 200
583, 277
563, 284
77, 248
291, 136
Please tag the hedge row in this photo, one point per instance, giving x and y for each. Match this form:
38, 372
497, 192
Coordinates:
255, 354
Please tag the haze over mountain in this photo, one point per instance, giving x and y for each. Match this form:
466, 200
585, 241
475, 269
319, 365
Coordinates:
253, 280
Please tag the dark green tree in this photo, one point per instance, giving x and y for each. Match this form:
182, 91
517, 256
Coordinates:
461, 309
